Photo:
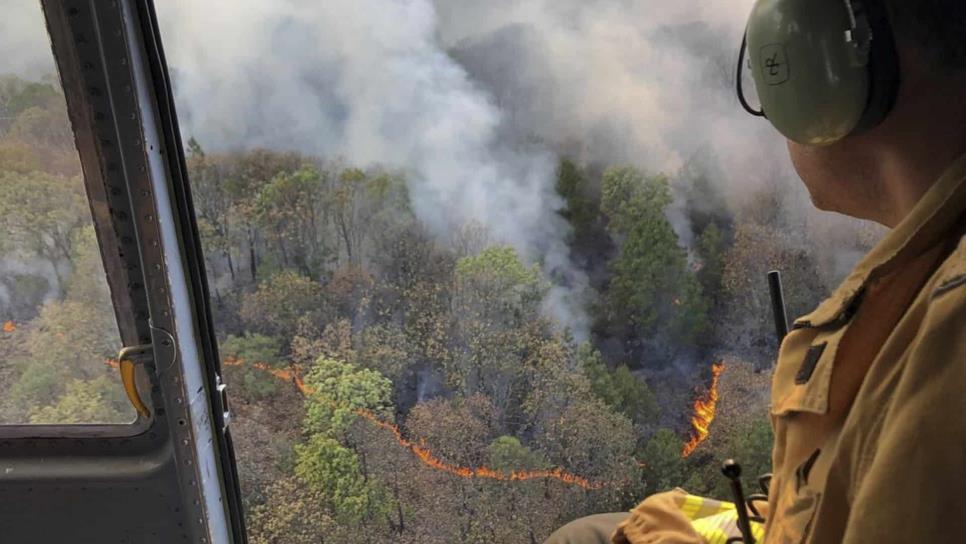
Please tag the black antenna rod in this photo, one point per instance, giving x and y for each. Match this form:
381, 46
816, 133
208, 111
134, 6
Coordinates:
732, 471
778, 304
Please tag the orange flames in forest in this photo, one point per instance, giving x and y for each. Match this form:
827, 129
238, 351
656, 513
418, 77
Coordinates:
704, 410
426, 456
429, 459
287, 374
9, 326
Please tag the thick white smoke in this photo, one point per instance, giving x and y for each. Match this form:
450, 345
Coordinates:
475, 99
23, 40
447, 88
648, 82
361, 79
367, 80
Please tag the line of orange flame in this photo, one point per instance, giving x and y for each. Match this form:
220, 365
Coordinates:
704, 411
426, 456
9, 326
429, 459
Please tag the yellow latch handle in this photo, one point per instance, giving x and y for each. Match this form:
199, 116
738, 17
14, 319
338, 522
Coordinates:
126, 360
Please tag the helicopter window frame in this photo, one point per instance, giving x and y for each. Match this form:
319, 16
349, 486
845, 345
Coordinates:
91, 54
112, 68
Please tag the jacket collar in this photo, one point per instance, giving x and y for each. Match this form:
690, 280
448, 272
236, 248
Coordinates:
935, 214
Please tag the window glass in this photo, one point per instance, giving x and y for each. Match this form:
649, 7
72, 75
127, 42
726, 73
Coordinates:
480, 268
57, 327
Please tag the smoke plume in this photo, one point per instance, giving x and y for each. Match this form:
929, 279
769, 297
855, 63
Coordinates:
475, 101
368, 80
23, 41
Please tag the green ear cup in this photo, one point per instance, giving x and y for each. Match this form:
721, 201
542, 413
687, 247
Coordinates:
885, 76
813, 84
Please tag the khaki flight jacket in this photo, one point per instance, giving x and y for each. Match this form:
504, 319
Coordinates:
868, 399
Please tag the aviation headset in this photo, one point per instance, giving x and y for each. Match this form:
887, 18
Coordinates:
823, 69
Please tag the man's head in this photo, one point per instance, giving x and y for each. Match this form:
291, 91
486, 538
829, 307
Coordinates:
880, 173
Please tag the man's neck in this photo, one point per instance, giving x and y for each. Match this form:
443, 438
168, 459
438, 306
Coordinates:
923, 139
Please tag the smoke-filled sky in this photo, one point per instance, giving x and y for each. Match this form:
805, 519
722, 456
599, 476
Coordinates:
447, 87
24, 45
475, 100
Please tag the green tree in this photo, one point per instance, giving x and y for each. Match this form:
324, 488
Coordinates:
590, 439
663, 467
690, 322
292, 514
245, 175
582, 209
328, 460
496, 320
18, 95
650, 260
355, 201
16, 157
45, 128
281, 301
35, 133
336, 471
67, 341
243, 355
253, 348
497, 287
619, 388
651, 288
385, 348
711, 248
84, 401
67, 344
339, 390
752, 444
458, 430
213, 206
288, 210
39, 214
506, 453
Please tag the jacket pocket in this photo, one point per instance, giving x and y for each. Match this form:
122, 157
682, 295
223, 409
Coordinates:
794, 515
793, 523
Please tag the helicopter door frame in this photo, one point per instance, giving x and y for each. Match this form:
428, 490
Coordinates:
171, 474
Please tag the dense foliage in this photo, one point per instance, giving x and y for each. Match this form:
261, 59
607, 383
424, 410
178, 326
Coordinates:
409, 342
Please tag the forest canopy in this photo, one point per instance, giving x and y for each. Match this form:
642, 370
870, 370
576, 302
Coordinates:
393, 383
